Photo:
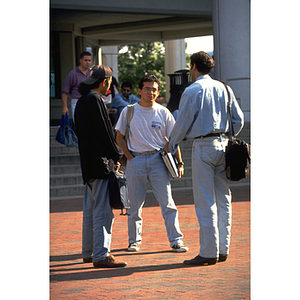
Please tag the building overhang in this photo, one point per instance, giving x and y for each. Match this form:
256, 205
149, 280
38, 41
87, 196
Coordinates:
111, 23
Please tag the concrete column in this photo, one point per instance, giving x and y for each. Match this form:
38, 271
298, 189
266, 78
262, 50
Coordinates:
67, 54
110, 58
231, 29
80, 46
174, 60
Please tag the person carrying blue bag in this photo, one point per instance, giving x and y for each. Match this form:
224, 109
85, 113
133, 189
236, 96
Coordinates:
65, 135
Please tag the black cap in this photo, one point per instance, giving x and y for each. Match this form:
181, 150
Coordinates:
98, 72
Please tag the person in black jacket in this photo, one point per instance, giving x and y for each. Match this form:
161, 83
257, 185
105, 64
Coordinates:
98, 154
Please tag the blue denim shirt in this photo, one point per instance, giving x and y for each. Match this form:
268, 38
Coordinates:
203, 109
120, 102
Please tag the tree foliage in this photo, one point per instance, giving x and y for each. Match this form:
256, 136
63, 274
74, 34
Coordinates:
140, 59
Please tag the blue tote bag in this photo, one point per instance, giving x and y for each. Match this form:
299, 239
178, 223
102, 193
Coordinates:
65, 135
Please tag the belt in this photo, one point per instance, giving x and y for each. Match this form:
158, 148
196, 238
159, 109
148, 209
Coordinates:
211, 135
145, 152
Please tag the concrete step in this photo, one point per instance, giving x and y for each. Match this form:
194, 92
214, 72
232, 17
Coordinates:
74, 186
65, 179
65, 171
67, 159
74, 159
69, 184
78, 190
62, 149
69, 175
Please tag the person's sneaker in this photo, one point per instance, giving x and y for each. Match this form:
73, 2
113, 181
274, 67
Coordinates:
109, 262
180, 248
133, 247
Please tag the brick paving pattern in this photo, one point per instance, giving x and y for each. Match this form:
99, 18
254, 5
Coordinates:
155, 272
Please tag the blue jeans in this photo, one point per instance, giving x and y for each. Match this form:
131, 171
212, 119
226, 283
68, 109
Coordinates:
139, 170
212, 195
98, 219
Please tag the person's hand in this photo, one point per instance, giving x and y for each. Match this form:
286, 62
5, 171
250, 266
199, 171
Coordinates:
117, 167
65, 110
180, 170
167, 149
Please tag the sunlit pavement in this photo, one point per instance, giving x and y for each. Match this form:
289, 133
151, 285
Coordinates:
155, 272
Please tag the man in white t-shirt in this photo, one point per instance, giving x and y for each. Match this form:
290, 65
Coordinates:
150, 126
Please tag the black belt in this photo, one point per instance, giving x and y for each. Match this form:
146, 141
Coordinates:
145, 152
212, 134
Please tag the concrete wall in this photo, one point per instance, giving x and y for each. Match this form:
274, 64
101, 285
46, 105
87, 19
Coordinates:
231, 27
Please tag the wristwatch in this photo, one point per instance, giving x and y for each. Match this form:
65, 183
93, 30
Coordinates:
180, 164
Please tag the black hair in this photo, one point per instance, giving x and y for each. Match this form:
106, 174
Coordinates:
84, 53
149, 78
127, 84
84, 88
204, 62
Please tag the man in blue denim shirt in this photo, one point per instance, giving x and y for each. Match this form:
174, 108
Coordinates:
124, 98
203, 116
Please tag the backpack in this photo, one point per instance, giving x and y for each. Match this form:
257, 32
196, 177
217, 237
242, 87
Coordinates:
129, 115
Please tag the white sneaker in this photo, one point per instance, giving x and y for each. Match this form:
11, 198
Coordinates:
133, 247
180, 248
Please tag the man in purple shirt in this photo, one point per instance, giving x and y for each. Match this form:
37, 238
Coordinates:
73, 80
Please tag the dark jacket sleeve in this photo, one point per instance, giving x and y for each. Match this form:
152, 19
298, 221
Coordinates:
96, 140
112, 150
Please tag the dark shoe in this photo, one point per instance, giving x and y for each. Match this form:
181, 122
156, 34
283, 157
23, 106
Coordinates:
109, 262
87, 260
201, 261
222, 257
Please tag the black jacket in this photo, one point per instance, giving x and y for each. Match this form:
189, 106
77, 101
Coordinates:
96, 137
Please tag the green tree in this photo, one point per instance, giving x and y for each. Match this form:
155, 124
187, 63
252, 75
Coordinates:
140, 59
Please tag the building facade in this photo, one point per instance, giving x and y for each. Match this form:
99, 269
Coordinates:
101, 26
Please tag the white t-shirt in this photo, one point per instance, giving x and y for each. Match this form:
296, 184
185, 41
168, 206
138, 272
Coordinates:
148, 127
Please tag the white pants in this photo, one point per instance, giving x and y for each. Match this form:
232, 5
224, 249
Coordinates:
73, 105
212, 195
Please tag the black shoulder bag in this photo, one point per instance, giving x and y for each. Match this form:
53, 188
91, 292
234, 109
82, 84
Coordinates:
118, 191
237, 153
